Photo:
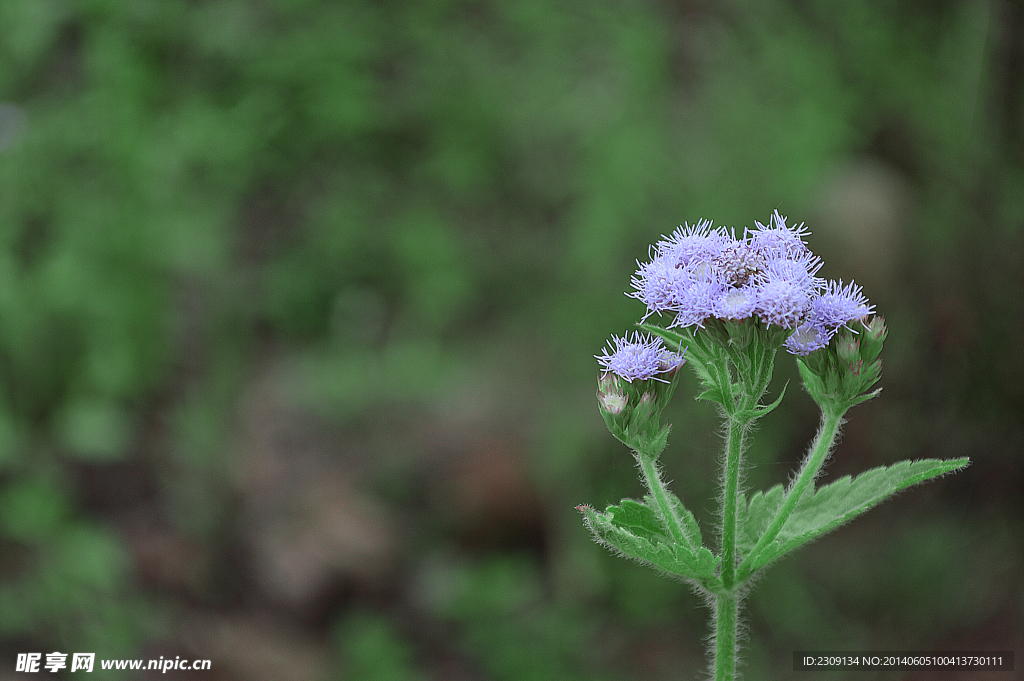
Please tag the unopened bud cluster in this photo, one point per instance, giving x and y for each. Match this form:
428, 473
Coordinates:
843, 373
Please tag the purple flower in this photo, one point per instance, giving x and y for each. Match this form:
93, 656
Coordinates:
736, 303
779, 241
839, 305
691, 244
699, 272
836, 306
679, 276
697, 299
807, 338
782, 303
736, 262
785, 291
801, 267
658, 285
639, 359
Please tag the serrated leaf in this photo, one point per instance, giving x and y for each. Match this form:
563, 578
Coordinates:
638, 518
691, 530
707, 562
659, 555
662, 555
755, 517
700, 565
843, 500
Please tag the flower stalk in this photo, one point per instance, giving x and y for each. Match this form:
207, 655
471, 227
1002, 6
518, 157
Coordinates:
727, 611
731, 481
659, 493
823, 443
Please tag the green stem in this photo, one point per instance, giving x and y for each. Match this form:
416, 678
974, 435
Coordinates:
727, 608
830, 421
649, 467
731, 482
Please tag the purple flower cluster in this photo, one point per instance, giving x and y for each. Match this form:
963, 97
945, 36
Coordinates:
639, 358
700, 272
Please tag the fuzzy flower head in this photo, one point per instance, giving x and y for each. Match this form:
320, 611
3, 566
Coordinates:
692, 245
807, 338
779, 241
838, 305
699, 273
737, 263
833, 308
636, 385
639, 358
737, 303
698, 293
658, 285
785, 291
702, 275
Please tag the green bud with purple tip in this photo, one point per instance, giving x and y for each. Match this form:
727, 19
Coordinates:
844, 372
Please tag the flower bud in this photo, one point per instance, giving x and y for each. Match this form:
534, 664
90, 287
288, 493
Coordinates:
639, 379
847, 347
842, 373
612, 401
872, 337
632, 410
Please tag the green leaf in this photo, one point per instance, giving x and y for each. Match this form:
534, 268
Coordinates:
755, 517
762, 409
638, 518
715, 395
700, 565
618, 527
673, 339
691, 530
835, 504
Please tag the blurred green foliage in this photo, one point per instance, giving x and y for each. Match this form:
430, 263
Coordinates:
419, 203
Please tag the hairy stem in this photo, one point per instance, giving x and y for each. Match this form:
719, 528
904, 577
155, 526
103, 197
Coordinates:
727, 607
731, 483
649, 467
830, 421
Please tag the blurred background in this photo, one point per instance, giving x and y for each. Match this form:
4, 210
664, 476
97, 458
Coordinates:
299, 301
